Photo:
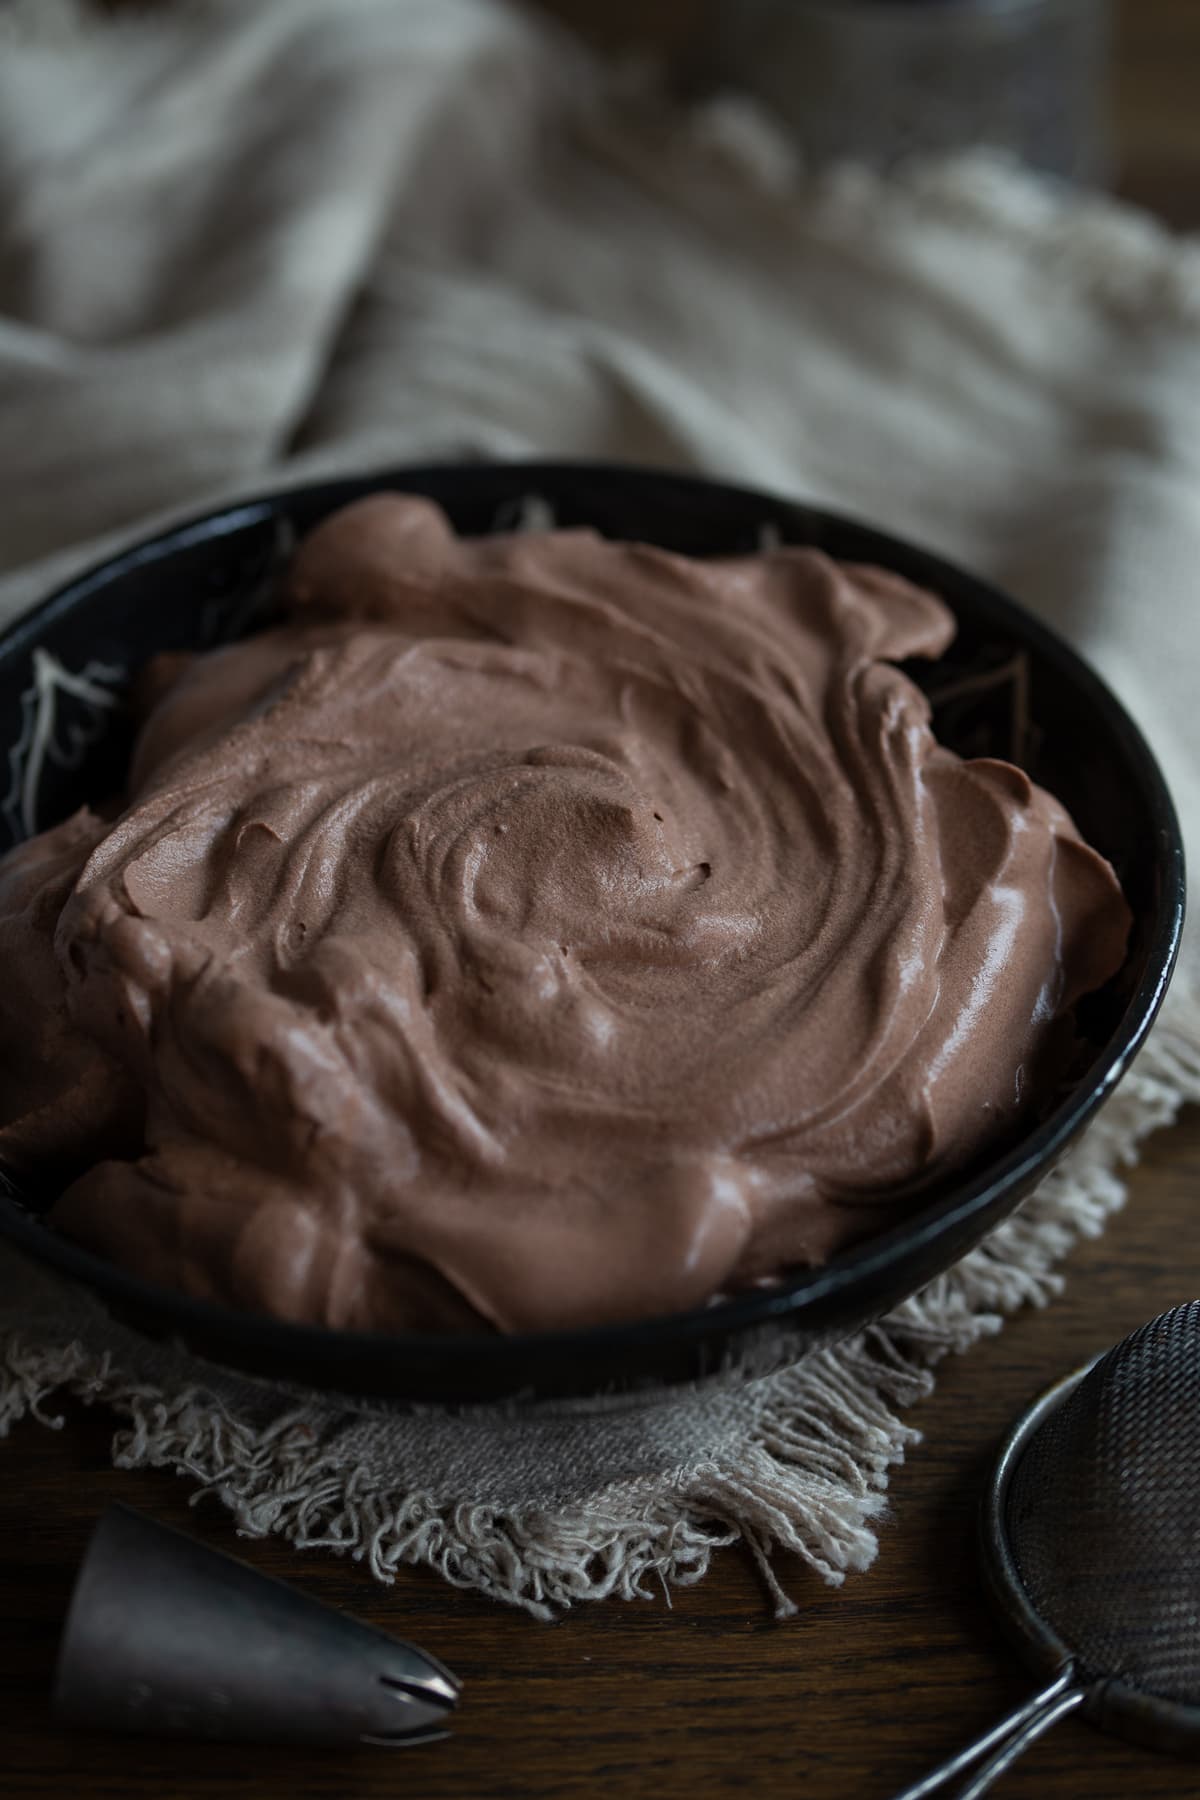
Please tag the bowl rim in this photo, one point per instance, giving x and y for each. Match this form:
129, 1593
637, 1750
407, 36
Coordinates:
947, 1213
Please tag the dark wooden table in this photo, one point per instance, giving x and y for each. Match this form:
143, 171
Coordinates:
708, 1695
704, 1697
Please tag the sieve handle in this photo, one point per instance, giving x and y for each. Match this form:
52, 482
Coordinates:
1005, 1741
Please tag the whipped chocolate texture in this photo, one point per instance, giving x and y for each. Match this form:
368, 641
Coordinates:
535, 931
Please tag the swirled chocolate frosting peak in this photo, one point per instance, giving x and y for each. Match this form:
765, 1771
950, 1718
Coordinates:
534, 931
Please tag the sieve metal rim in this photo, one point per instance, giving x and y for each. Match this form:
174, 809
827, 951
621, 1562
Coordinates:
1110, 1703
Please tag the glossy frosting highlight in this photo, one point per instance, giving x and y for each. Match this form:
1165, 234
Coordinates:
536, 930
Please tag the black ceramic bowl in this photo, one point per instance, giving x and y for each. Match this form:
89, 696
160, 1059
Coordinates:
63, 666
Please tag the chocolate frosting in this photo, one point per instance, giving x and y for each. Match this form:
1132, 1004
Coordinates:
536, 930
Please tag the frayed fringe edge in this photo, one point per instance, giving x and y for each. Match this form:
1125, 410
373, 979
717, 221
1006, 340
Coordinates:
808, 1479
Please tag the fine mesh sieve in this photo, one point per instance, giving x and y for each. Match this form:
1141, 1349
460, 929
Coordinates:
1091, 1549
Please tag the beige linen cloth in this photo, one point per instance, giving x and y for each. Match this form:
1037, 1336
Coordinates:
246, 243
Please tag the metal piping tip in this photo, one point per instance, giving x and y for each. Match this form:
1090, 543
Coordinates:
169, 1637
